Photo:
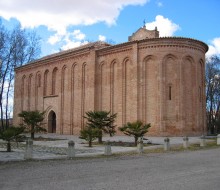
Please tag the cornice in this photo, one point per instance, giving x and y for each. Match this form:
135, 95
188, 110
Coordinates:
74, 53
173, 42
162, 42
114, 49
103, 49
54, 59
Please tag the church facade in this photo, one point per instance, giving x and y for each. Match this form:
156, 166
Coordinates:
157, 80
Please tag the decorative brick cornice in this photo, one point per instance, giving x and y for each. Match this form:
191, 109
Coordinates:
173, 42
52, 60
163, 42
113, 50
75, 53
103, 49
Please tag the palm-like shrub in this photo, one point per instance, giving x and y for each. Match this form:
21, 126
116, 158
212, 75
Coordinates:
102, 120
11, 134
136, 129
32, 121
89, 134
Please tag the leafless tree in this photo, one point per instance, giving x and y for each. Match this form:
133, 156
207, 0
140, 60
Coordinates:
213, 94
17, 47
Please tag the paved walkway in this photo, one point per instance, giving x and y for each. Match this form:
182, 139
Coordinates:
58, 149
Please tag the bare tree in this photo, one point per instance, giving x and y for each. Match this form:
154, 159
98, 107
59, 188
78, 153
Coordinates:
213, 94
17, 47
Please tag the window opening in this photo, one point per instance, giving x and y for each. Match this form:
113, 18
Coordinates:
170, 91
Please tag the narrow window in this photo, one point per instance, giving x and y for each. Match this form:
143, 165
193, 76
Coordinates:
38, 80
46, 82
170, 92
54, 81
200, 94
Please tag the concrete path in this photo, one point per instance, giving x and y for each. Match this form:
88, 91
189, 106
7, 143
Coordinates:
58, 149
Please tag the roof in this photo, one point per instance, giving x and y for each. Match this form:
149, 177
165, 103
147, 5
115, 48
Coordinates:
102, 46
96, 45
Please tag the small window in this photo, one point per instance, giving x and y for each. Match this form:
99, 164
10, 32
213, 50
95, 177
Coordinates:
54, 75
170, 93
38, 80
200, 94
46, 82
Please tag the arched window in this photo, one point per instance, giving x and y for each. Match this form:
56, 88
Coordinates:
54, 75
23, 90
38, 80
46, 83
83, 94
30, 90
37, 86
200, 94
113, 85
63, 96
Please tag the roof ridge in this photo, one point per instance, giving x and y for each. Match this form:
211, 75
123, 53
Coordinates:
84, 46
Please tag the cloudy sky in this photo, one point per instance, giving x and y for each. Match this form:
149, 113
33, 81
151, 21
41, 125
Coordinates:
64, 24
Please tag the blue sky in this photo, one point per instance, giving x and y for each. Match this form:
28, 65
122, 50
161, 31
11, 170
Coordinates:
64, 24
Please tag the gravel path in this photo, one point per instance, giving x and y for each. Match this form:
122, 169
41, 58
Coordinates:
168, 171
58, 149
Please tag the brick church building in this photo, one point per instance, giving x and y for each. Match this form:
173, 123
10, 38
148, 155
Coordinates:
157, 80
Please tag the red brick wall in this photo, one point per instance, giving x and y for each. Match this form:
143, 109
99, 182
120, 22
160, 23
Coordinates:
159, 81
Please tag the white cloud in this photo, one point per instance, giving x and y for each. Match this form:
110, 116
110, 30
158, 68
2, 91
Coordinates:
68, 39
102, 38
73, 44
159, 4
165, 26
78, 35
54, 39
214, 47
58, 15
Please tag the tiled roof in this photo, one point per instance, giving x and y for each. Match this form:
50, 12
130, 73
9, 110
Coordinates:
96, 45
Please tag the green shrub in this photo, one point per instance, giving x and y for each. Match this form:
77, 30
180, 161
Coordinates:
136, 129
32, 121
12, 134
89, 134
102, 120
